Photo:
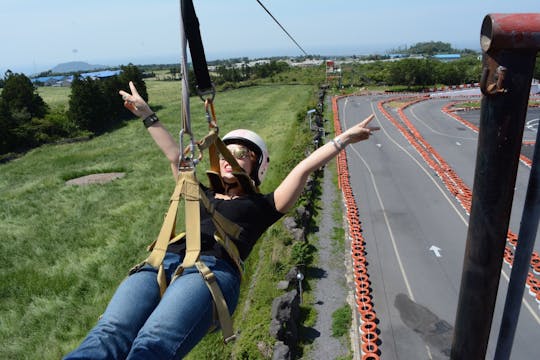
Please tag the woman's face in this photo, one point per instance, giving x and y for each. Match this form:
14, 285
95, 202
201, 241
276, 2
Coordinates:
244, 157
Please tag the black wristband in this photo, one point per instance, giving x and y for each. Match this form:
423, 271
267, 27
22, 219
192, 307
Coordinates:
150, 120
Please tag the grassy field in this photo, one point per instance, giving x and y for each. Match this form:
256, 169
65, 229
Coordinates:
65, 248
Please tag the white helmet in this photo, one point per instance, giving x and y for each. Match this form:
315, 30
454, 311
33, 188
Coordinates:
256, 144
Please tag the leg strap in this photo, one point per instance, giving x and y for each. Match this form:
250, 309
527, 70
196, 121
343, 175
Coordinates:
219, 301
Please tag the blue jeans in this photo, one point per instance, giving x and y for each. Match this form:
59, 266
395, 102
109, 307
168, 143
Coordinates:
137, 324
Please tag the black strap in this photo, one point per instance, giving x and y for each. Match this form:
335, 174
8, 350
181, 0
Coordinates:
193, 35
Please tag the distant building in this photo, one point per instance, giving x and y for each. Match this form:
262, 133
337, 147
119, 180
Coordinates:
447, 57
397, 56
101, 74
65, 80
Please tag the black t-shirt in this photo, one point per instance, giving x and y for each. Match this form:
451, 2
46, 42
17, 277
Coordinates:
254, 213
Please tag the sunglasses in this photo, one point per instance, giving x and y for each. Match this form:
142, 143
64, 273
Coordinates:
239, 152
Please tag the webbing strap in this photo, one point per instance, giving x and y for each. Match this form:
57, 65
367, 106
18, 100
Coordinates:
231, 249
193, 35
191, 193
219, 301
188, 187
223, 224
215, 145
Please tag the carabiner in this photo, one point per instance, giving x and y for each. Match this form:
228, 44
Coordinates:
210, 113
186, 160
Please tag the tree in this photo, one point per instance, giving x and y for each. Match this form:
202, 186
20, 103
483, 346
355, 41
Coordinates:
129, 73
19, 105
95, 104
19, 95
430, 48
113, 103
6, 138
411, 72
86, 105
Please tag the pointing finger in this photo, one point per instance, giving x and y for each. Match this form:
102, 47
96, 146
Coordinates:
367, 120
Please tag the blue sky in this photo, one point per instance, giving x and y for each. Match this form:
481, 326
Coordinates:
36, 35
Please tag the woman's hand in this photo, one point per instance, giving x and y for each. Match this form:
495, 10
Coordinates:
135, 103
358, 132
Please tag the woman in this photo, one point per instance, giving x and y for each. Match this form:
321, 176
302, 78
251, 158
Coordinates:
138, 324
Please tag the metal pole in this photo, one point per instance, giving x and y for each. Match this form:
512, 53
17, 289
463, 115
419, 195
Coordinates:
522, 258
507, 73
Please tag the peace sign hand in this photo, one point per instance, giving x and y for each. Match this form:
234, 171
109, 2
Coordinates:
135, 103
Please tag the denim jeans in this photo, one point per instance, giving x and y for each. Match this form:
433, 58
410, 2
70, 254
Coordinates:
137, 324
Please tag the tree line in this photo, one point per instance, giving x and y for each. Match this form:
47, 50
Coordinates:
419, 74
94, 105
26, 121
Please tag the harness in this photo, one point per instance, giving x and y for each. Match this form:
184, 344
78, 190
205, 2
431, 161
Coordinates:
189, 189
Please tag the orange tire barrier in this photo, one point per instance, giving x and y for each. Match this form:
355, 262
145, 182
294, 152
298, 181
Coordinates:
537, 269
534, 290
360, 269
365, 307
370, 350
369, 316
370, 356
368, 326
362, 291
370, 337
362, 277
363, 285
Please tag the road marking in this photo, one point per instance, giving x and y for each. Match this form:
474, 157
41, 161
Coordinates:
436, 250
532, 124
507, 278
438, 132
386, 220
453, 206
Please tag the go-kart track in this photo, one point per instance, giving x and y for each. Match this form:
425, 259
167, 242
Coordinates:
407, 193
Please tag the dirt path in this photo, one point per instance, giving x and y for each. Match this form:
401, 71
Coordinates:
331, 292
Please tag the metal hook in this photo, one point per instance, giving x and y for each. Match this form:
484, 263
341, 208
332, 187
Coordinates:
493, 84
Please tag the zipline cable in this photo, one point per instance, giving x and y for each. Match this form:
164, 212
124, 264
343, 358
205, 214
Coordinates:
286, 32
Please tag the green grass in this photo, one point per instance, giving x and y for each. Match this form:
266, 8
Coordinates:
65, 249
55, 97
341, 321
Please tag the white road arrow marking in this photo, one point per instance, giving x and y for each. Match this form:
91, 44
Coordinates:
436, 250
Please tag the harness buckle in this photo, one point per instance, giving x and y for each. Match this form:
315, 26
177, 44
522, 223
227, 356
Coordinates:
209, 277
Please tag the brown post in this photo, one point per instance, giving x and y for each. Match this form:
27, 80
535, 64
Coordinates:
509, 43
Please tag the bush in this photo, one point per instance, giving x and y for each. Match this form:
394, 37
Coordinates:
341, 321
302, 253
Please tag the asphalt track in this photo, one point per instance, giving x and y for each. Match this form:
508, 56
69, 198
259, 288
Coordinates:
415, 229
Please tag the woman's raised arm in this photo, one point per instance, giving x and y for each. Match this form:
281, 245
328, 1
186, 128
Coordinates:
291, 187
136, 104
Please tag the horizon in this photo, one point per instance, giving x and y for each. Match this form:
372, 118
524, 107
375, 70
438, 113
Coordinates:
38, 35
35, 68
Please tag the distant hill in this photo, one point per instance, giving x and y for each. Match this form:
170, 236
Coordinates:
74, 66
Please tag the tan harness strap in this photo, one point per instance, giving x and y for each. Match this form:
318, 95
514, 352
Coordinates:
222, 223
188, 187
223, 314
159, 247
215, 145
191, 193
